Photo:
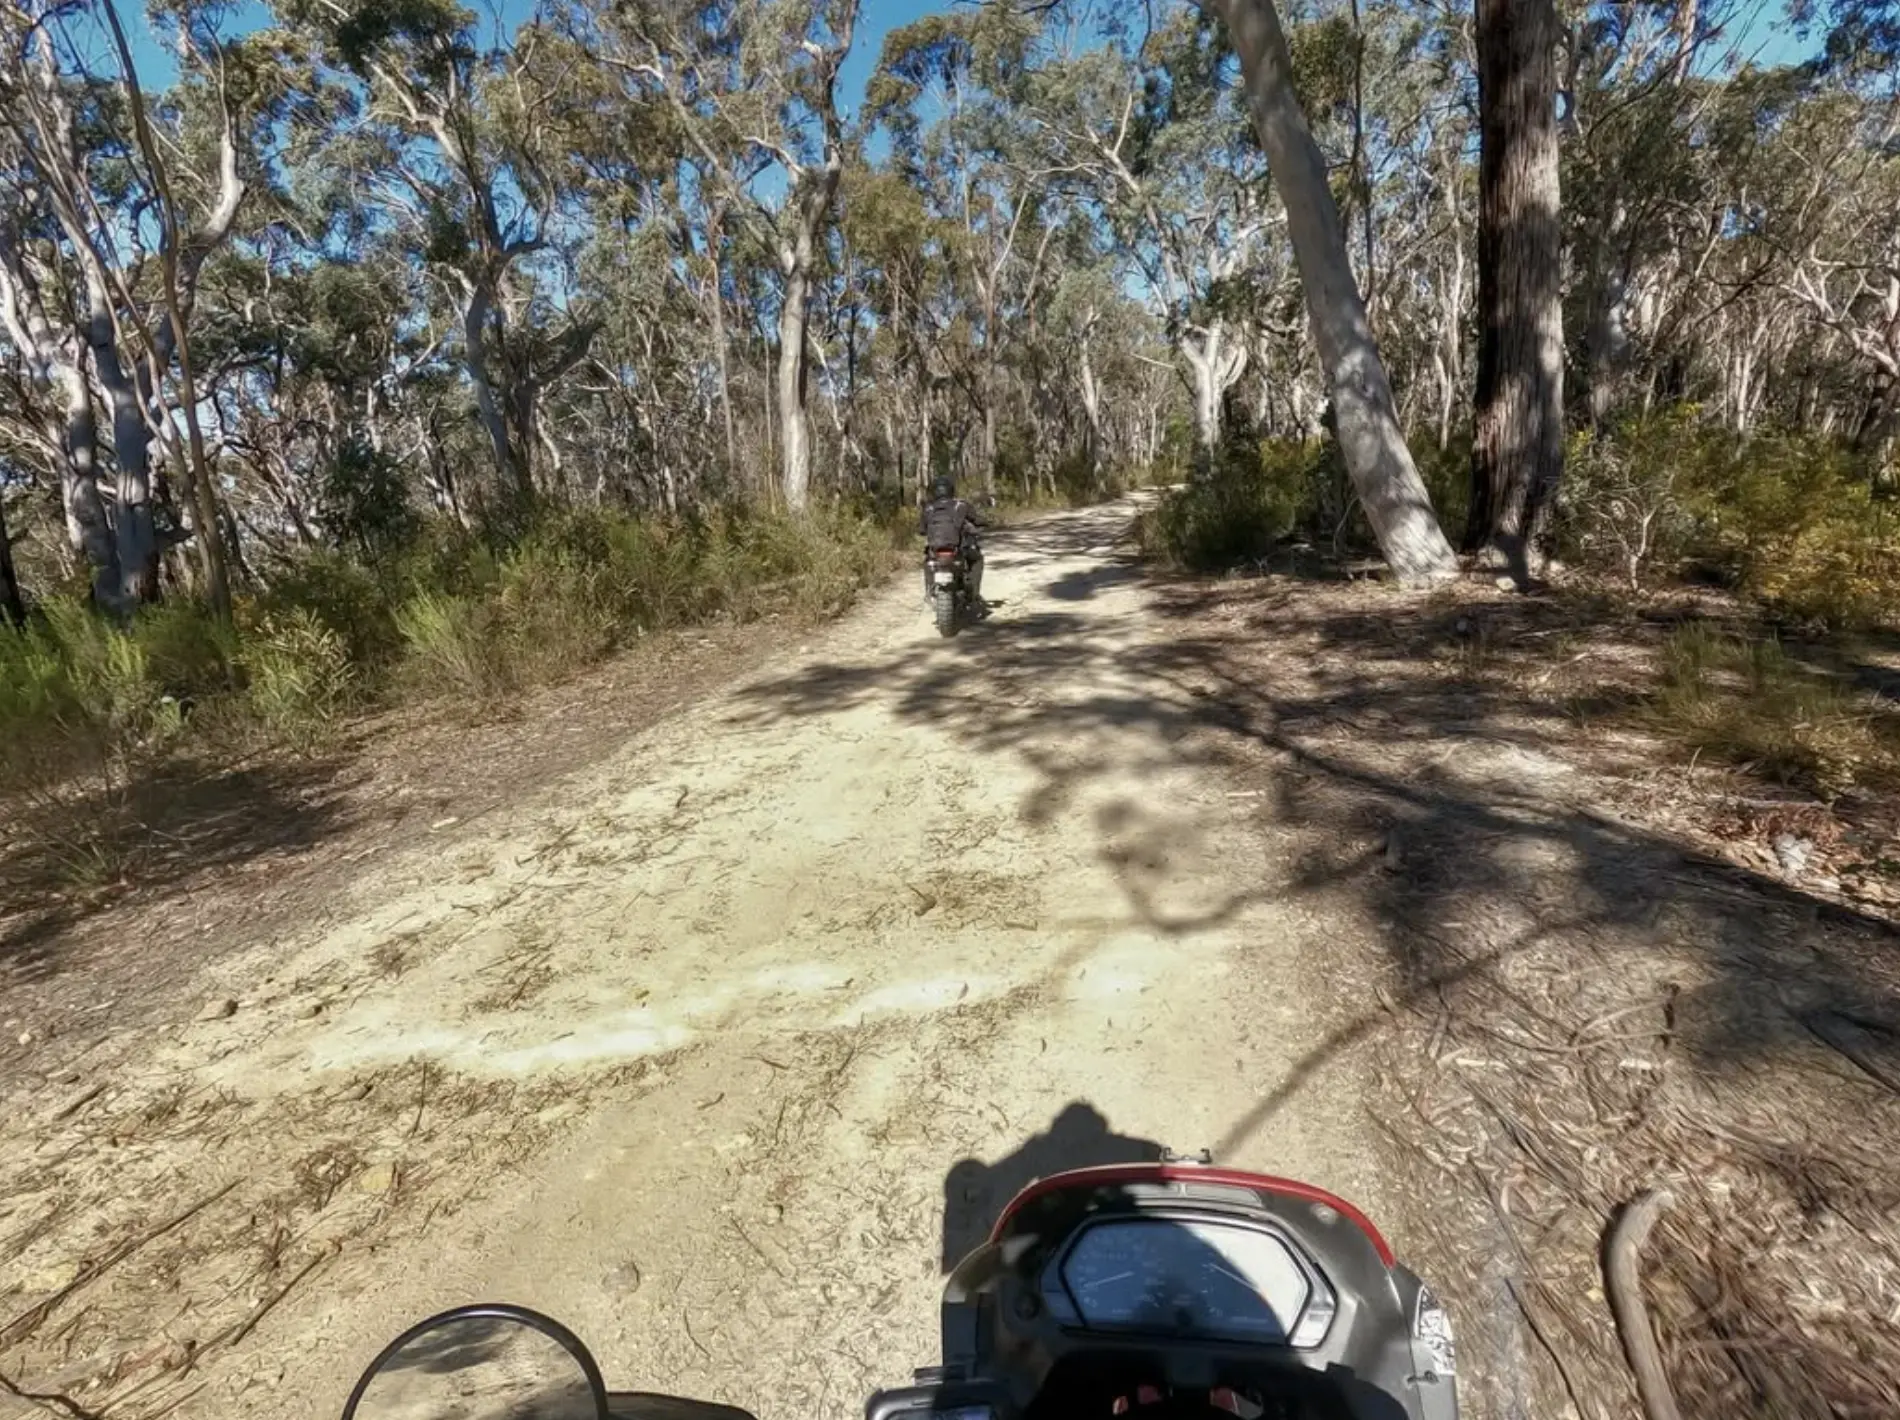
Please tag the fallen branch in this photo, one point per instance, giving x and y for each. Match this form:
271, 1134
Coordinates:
56, 1401
1622, 1269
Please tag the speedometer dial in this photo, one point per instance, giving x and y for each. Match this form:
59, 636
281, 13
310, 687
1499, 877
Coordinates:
1186, 1277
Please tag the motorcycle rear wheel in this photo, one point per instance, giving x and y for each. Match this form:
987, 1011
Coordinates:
946, 606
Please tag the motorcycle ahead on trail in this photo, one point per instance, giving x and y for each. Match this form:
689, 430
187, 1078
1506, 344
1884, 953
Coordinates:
950, 599
1170, 1289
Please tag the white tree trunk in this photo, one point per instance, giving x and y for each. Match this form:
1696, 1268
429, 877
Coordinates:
475, 365
1217, 362
1092, 407
1394, 496
794, 426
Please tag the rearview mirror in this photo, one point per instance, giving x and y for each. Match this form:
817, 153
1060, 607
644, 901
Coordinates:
488, 1362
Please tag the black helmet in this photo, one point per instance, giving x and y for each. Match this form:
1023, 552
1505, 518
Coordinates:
943, 486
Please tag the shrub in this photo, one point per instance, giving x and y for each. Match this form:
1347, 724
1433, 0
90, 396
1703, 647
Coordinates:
78, 693
345, 597
1248, 498
1796, 523
1622, 502
1791, 520
298, 675
549, 610
451, 647
189, 654
453, 614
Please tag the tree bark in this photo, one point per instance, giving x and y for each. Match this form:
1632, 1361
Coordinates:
793, 363
1091, 403
1518, 445
59, 363
1387, 481
1216, 365
508, 464
135, 541
12, 604
87, 525
722, 347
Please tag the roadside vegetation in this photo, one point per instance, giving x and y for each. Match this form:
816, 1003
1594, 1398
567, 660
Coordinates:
455, 616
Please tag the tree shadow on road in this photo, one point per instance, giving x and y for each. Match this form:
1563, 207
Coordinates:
1575, 998
975, 1193
66, 858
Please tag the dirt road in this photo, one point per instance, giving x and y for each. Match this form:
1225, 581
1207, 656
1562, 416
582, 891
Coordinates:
721, 1049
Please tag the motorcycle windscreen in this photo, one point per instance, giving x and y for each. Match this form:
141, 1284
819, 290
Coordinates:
1188, 1277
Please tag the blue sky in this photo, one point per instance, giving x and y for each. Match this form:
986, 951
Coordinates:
1762, 33
877, 19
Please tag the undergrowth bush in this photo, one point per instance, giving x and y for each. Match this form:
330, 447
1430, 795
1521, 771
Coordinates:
1791, 520
1237, 506
455, 613
298, 675
1747, 701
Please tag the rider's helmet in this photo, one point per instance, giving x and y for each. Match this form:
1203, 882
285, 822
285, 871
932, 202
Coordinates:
943, 486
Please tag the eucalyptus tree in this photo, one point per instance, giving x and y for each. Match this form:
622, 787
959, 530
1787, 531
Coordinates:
1518, 441
113, 205
1143, 125
1394, 497
980, 172
753, 89
455, 142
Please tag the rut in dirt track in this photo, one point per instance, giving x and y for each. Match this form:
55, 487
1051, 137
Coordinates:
755, 1028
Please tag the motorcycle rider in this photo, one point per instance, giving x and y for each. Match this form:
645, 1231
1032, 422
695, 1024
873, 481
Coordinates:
949, 521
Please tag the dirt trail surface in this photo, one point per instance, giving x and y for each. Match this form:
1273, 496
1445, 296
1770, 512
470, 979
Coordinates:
719, 1048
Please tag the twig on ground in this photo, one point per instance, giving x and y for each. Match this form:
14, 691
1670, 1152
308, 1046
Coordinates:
1622, 1271
263, 1308
1556, 1357
53, 1400
72, 1107
746, 1237
39, 1311
686, 1321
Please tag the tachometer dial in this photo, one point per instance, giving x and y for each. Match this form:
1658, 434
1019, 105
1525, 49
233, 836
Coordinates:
1186, 1277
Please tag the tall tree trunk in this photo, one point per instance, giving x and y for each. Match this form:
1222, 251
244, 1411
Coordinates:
1518, 447
1091, 407
1215, 364
134, 535
722, 347
793, 360
12, 604
1394, 497
86, 523
175, 340
508, 466
1449, 359
1606, 340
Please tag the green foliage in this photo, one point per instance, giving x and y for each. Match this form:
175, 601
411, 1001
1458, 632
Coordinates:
365, 503
1250, 497
1796, 523
455, 615
1749, 702
348, 599
1790, 520
77, 690
450, 648
299, 679
187, 654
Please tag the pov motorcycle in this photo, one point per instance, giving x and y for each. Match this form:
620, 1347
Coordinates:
1171, 1289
